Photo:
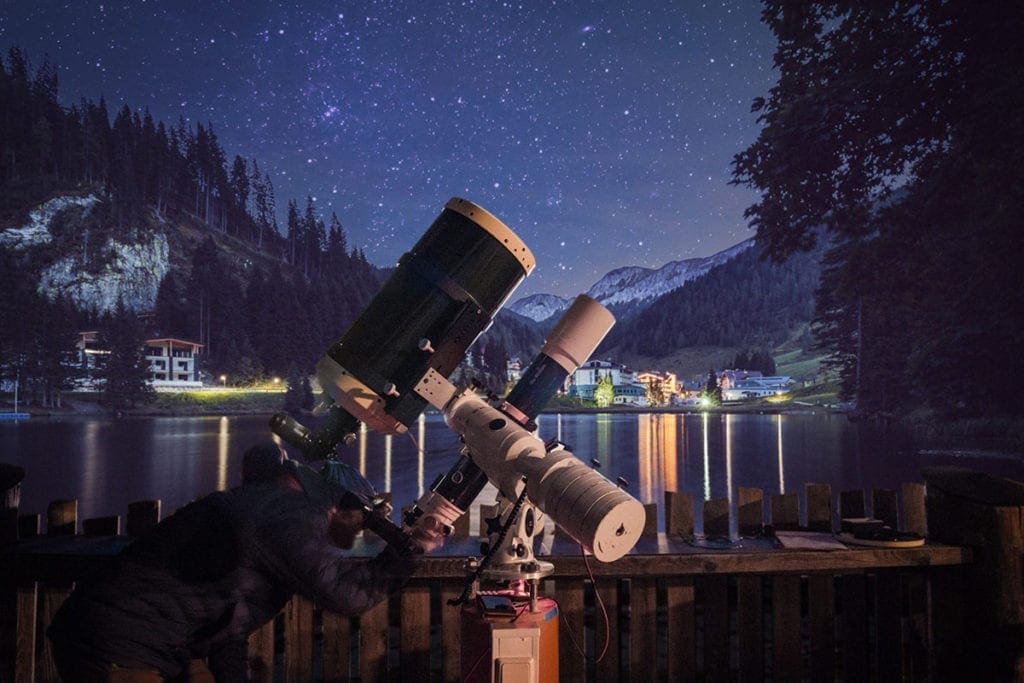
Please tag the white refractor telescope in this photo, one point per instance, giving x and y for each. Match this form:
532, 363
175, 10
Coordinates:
604, 519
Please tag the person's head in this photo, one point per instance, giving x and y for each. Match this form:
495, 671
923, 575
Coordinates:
263, 462
346, 496
352, 497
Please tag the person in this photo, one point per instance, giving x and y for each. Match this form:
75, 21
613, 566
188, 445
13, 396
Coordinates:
216, 570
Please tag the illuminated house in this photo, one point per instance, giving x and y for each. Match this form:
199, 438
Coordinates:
728, 379
513, 369
668, 382
172, 362
583, 382
756, 387
630, 395
628, 390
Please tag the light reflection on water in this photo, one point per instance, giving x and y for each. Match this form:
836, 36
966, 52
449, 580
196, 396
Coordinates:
106, 464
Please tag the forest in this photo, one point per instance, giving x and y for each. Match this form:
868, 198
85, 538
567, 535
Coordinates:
745, 302
263, 299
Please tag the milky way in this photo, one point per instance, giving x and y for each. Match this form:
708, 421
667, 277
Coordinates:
600, 132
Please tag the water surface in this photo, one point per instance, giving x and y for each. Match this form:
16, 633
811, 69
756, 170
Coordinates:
107, 463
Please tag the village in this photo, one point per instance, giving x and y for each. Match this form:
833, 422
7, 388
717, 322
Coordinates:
607, 383
173, 366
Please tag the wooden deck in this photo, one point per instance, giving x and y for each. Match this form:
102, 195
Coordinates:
675, 611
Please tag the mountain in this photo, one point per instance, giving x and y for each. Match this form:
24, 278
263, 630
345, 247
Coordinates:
93, 267
630, 289
539, 307
634, 285
742, 302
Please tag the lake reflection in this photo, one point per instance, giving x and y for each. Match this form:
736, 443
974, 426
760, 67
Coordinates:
106, 464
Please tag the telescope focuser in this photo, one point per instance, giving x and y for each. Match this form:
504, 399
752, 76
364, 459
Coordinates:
375, 518
339, 427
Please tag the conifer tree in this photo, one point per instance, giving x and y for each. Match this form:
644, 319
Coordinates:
712, 392
604, 392
293, 395
911, 197
124, 371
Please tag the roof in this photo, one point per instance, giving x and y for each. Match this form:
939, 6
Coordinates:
173, 340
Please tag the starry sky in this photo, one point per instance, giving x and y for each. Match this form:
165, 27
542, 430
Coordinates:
600, 132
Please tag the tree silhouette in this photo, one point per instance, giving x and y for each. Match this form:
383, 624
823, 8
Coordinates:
898, 129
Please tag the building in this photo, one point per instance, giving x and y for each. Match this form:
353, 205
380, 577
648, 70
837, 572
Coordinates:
513, 370
728, 379
581, 384
757, 387
667, 381
631, 395
173, 363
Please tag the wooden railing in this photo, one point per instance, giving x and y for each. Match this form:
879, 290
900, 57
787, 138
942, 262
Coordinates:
677, 609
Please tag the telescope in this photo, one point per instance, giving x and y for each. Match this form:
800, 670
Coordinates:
396, 359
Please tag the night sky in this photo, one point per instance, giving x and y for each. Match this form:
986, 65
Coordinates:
601, 132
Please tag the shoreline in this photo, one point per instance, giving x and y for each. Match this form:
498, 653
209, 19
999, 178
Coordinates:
78, 409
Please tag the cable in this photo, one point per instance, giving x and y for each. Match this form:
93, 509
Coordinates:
600, 601
604, 611
477, 663
486, 561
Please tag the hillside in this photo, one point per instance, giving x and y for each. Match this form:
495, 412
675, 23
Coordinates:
742, 303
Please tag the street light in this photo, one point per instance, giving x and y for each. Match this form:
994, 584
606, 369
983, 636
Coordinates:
224, 381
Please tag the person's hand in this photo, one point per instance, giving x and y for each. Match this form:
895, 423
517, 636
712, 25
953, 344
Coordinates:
343, 526
428, 535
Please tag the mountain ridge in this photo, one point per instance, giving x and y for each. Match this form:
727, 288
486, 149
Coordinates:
630, 289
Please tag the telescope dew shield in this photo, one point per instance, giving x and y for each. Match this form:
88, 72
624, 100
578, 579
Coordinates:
443, 294
577, 334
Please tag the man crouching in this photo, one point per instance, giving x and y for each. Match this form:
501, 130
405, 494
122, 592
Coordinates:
219, 568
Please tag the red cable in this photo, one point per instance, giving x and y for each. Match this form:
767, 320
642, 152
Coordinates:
604, 611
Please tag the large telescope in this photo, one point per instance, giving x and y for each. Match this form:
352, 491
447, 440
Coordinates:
444, 293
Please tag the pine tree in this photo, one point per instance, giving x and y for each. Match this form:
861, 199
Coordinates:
171, 309
604, 392
293, 395
239, 184
294, 232
712, 393
124, 371
57, 365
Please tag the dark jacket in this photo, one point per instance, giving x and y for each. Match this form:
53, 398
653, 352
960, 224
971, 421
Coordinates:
210, 575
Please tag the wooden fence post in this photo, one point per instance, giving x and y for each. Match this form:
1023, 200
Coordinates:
819, 507
61, 520
10, 498
143, 515
678, 514
986, 513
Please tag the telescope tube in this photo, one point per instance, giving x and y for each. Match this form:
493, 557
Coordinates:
442, 295
569, 345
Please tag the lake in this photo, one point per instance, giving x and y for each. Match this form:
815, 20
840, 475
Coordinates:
107, 463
